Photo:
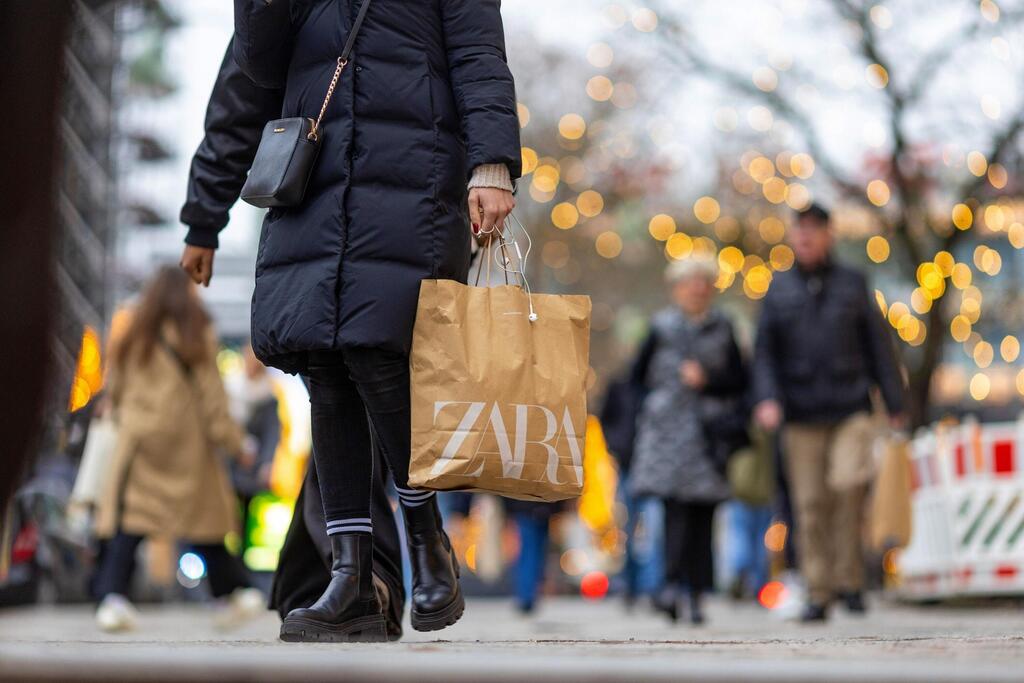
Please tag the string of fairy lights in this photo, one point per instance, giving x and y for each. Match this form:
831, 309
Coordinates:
751, 249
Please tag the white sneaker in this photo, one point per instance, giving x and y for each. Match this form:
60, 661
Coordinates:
116, 614
242, 605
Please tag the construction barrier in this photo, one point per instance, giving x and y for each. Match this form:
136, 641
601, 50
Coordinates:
968, 513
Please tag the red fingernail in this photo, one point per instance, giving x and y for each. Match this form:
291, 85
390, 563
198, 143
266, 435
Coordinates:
476, 228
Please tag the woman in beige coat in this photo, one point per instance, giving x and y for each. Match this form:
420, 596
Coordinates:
168, 478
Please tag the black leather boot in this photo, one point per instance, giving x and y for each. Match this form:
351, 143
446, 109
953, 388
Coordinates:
854, 602
437, 601
349, 610
814, 613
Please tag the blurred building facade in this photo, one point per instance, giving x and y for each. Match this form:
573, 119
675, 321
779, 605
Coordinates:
87, 189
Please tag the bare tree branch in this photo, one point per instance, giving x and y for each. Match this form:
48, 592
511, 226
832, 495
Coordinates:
682, 51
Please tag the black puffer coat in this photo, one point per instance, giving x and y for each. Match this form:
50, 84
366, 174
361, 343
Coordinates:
427, 97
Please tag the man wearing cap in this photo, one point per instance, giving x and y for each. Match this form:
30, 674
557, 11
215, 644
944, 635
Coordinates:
822, 347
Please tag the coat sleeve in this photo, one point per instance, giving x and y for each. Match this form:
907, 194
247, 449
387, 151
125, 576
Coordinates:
221, 428
730, 378
881, 354
485, 93
235, 117
765, 371
642, 363
263, 39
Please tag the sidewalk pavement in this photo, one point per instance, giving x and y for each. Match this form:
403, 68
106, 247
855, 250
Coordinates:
567, 640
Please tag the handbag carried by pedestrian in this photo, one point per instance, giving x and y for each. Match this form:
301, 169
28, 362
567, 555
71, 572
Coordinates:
95, 468
891, 509
751, 470
289, 147
498, 383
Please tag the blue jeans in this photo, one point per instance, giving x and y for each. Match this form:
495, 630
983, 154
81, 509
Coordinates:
533, 545
645, 553
746, 557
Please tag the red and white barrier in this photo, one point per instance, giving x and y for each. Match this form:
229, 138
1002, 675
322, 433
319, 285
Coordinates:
968, 513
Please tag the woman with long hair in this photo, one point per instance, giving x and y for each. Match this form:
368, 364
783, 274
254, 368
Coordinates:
418, 148
168, 479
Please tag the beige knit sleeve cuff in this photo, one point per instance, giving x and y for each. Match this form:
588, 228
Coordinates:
492, 175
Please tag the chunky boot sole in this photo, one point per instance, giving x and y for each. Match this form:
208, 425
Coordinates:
371, 629
442, 618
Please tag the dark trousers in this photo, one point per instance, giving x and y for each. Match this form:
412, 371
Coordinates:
224, 571
303, 569
688, 552
353, 394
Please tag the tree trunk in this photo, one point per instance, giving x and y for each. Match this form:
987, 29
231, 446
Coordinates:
921, 376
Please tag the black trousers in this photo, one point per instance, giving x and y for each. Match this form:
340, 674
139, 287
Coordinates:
354, 394
224, 571
688, 545
303, 569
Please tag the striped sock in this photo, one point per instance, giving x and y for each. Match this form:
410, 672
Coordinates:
350, 525
413, 499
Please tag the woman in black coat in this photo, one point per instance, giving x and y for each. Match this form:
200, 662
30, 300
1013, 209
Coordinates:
420, 140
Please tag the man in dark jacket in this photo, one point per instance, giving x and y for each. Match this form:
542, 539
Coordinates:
822, 346
235, 117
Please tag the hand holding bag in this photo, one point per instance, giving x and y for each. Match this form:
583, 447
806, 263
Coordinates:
498, 385
289, 147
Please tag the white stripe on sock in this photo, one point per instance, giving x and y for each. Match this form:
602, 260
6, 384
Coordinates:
423, 499
414, 495
351, 520
416, 503
411, 491
332, 531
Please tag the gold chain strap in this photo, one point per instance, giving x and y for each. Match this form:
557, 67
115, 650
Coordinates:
315, 132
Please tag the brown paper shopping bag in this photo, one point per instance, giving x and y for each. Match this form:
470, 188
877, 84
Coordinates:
499, 398
891, 507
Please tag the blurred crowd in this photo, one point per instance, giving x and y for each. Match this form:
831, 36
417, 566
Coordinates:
715, 440
785, 432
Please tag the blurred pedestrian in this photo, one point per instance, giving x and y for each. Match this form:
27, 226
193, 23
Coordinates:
173, 423
533, 521
644, 523
254, 406
339, 272
822, 346
235, 117
748, 516
692, 420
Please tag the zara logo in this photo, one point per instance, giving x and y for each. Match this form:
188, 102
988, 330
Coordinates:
511, 446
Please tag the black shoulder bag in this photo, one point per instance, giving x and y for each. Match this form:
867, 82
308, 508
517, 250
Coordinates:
289, 147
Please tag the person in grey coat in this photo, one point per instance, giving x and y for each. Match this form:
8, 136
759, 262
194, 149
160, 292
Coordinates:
693, 417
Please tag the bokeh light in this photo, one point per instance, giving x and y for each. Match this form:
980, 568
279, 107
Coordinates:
572, 126
590, 203
772, 594
980, 386
661, 227
594, 585
608, 244
707, 210
565, 216
878, 249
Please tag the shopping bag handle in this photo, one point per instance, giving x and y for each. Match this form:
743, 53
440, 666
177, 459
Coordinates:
508, 243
